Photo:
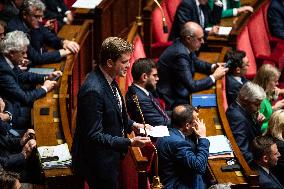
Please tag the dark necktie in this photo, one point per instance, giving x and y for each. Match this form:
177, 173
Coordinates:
157, 105
116, 94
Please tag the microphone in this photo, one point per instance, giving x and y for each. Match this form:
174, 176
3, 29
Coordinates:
165, 27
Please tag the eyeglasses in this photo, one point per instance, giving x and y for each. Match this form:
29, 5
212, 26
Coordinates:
38, 17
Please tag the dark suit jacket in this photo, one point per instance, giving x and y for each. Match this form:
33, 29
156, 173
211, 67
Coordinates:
9, 12
38, 38
267, 181
278, 169
55, 9
181, 162
11, 157
275, 18
98, 142
243, 127
9, 84
176, 68
232, 88
187, 11
152, 114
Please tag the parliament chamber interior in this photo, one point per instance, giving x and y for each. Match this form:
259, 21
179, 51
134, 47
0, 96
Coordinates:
147, 25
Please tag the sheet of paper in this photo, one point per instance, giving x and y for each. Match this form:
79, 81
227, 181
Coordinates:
87, 4
219, 144
222, 30
157, 131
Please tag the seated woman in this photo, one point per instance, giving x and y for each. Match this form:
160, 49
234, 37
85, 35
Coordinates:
232, 8
276, 130
267, 77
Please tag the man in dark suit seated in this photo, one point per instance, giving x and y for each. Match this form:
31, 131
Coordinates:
145, 76
197, 11
265, 155
244, 117
13, 49
275, 18
29, 21
237, 62
11, 9
102, 122
183, 155
177, 65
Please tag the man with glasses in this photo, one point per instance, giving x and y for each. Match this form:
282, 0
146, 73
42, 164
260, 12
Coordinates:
238, 63
184, 154
30, 22
178, 63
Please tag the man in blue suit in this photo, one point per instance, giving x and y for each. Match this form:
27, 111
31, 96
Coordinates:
275, 18
13, 49
145, 76
237, 62
177, 65
29, 21
265, 155
100, 140
197, 11
183, 155
244, 117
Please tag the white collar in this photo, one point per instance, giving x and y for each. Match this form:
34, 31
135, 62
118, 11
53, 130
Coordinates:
265, 169
238, 78
181, 133
197, 3
143, 89
9, 62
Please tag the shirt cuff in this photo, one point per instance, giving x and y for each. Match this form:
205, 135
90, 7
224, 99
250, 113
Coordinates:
218, 3
67, 12
44, 88
65, 19
212, 77
235, 12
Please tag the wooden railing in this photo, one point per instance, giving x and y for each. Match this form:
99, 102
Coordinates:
56, 127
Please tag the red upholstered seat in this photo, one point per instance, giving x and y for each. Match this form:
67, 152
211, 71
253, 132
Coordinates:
160, 39
224, 96
138, 52
260, 41
243, 43
272, 40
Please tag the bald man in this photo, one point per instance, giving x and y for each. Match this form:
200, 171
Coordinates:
178, 63
183, 155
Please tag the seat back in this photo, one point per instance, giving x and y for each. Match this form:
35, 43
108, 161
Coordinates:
138, 52
224, 95
258, 35
169, 8
243, 43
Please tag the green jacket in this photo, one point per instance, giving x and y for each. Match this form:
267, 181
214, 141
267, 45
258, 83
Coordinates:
266, 110
231, 4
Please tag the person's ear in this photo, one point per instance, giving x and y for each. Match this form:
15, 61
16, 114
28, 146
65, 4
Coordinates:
238, 70
144, 77
110, 63
265, 158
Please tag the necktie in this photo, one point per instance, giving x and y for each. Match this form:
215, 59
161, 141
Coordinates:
157, 105
116, 94
201, 16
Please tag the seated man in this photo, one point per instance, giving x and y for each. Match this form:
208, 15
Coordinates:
29, 21
11, 9
177, 65
265, 155
275, 17
183, 155
13, 49
237, 64
145, 78
244, 117
197, 11
56, 9
231, 8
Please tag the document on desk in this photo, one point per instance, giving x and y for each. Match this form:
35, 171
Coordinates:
222, 30
46, 71
86, 4
55, 156
157, 131
219, 145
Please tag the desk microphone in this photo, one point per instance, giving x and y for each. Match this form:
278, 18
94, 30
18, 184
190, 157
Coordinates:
165, 27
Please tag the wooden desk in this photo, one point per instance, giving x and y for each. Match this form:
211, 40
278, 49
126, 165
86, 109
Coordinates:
56, 127
245, 178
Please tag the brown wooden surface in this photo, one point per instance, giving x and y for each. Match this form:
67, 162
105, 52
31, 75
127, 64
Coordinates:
55, 128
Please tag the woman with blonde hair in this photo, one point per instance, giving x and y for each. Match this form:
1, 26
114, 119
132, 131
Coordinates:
267, 77
276, 130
